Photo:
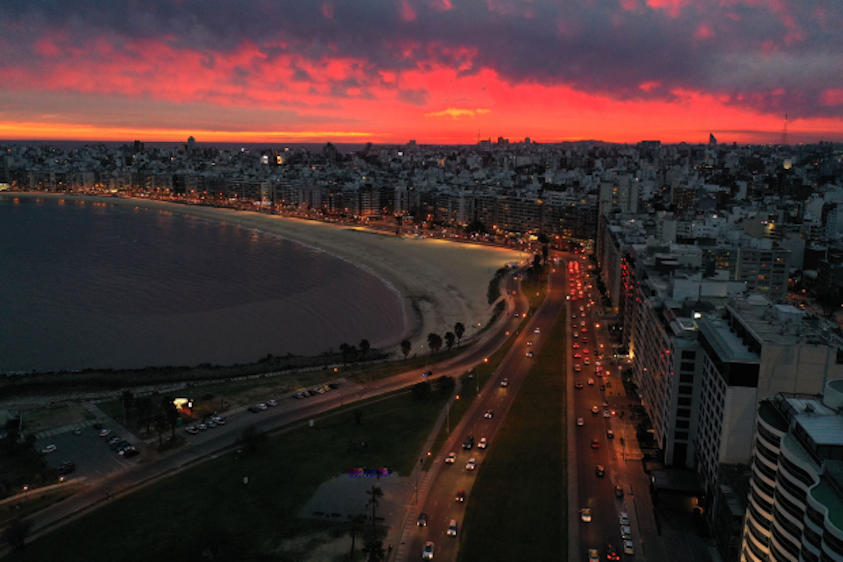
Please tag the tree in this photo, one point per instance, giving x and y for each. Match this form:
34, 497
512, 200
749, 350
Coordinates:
253, 437
445, 385
364, 348
357, 522
421, 389
345, 349
459, 330
145, 411
171, 413
374, 495
434, 341
128, 402
405, 348
450, 339
16, 532
161, 425
373, 549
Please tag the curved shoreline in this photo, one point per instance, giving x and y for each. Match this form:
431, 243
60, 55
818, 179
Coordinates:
439, 282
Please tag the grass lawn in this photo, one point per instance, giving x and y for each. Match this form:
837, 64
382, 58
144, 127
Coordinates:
522, 488
209, 505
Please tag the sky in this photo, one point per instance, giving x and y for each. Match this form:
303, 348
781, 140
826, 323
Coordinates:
436, 71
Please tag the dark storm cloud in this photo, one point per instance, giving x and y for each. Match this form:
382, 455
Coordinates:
767, 55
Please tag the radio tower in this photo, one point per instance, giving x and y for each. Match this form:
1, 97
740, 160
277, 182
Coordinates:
784, 132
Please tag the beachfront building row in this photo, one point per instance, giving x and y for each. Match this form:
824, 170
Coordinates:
795, 504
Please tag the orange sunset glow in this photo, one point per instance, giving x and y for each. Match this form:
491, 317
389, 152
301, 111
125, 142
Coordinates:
436, 71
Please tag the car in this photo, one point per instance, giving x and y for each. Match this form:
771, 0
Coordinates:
105, 432
452, 528
271, 403
211, 424
118, 444
580, 422
219, 420
427, 551
593, 555
529, 355
504, 383
422, 520
461, 496
299, 394
576, 345
123, 450
577, 355
578, 385
595, 444
618, 491
529, 343
483, 443
471, 464
626, 532
573, 316
586, 361
263, 406
537, 331
611, 553
628, 547
591, 382
77, 431
602, 386
595, 410
610, 433
516, 315
585, 350
584, 330
254, 409
193, 430
130, 453
468, 443
451, 458
623, 518
576, 334
489, 414
605, 404
584, 339
202, 427
600, 471
114, 439
606, 413
577, 368
427, 374
585, 515
334, 385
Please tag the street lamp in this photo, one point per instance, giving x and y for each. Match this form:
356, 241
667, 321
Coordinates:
26, 492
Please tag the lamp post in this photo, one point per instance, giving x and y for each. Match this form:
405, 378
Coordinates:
26, 492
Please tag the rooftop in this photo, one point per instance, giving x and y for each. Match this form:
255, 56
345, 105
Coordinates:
827, 494
726, 344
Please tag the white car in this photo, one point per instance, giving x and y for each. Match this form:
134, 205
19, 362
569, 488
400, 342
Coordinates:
505, 383
451, 458
471, 464
585, 515
606, 413
628, 548
483, 443
537, 331
626, 532
272, 402
48, 449
427, 552
105, 433
623, 518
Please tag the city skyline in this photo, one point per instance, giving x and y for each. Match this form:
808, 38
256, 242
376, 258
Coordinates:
437, 71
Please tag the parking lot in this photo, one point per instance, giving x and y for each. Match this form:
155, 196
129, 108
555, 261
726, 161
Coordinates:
91, 454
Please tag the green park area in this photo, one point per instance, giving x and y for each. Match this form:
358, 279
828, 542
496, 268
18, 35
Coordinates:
520, 496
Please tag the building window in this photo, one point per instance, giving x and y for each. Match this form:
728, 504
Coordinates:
683, 413
682, 435
684, 401
689, 355
683, 424
686, 378
684, 389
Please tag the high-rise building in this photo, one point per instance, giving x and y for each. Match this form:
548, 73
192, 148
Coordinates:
796, 491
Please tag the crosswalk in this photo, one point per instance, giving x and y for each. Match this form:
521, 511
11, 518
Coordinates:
65, 429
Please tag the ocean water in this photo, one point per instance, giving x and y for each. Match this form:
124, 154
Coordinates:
85, 284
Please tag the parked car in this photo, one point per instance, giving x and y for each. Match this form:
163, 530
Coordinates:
66, 468
626, 532
130, 453
77, 431
628, 547
211, 424
271, 403
623, 518
191, 429
105, 432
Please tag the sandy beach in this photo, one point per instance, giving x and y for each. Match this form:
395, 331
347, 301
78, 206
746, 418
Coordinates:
440, 282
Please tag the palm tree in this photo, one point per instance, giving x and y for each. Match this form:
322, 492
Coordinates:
375, 493
405, 347
434, 341
450, 338
357, 522
364, 346
459, 330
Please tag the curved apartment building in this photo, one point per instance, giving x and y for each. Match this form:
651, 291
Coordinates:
795, 504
